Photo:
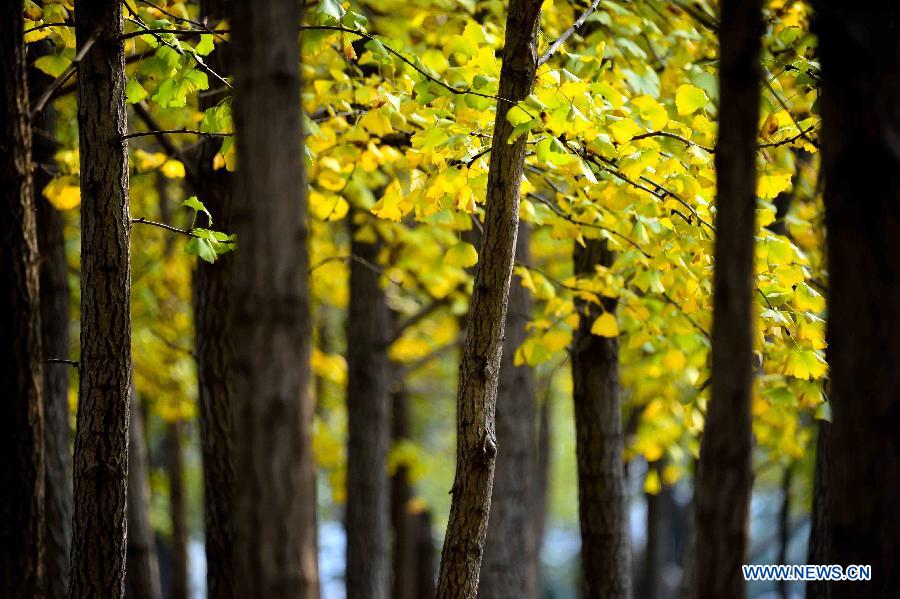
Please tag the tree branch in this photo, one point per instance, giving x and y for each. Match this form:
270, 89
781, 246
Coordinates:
562, 39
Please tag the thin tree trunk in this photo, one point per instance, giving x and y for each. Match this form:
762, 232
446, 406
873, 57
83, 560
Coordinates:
819, 532
602, 497
54, 294
177, 511
275, 501
480, 365
212, 310
426, 555
860, 54
101, 437
784, 527
724, 480
142, 578
404, 523
21, 409
510, 556
368, 427
659, 537
543, 464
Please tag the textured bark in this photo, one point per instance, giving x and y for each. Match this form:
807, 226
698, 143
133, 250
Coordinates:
860, 54
101, 437
602, 498
510, 556
276, 498
178, 588
818, 545
142, 578
21, 409
212, 301
480, 365
368, 428
54, 296
405, 559
725, 478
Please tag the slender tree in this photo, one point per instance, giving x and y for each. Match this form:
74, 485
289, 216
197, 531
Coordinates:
404, 524
142, 577
275, 500
212, 311
368, 427
724, 479
101, 437
510, 554
479, 370
21, 410
819, 531
55, 342
860, 54
602, 498
174, 449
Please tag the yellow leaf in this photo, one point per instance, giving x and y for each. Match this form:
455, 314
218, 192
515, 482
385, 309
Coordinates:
770, 185
674, 359
605, 326
688, 99
462, 255
173, 169
806, 299
652, 111
63, 192
652, 484
376, 122
624, 130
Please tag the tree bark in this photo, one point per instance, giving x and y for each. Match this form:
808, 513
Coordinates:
212, 310
510, 555
479, 370
142, 578
101, 438
276, 500
177, 510
724, 480
368, 427
543, 464
602, 497
425, 555
21, 410
819, 532
54, 299
860, 54
784, 527
658, 553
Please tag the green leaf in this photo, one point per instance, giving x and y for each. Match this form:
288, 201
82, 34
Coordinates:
462, 255
197, 206
134, 91
52, 64
206, 45
202, 248
688, 99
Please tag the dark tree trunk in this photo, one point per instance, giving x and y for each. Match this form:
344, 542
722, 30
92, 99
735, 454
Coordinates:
404, 523
101, 437
480, 364
54, 295
212, 309
543, 464
819, 531
177, 510
602, 497
724, 479
275, 501
658, 553
21, 410
142, 578
426, 555
860, 53
368, 427
784, 527
510, 556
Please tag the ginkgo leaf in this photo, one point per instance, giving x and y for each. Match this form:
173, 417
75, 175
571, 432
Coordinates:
605, 326
651, 110
63, 192
462, 255
674, 359
688, 99
771, 184
623, 131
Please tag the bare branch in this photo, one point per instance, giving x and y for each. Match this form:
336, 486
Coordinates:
562, 39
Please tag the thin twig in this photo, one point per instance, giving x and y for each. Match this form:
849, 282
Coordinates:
158, 132
64, 76
72, 363
562, 39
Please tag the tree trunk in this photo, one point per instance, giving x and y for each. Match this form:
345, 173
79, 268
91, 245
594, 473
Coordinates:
510, 556
177, 511
480, 364
784, 527
425, 555
212, 309
404, 523
368, 427
101, 437
860, 54
602, 497
142, 579
724, 480
275, 502
21, 437
658, 553
819, 532
54, 299
543, 464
